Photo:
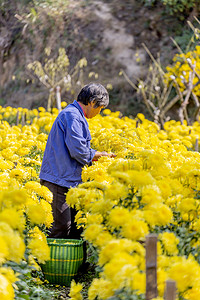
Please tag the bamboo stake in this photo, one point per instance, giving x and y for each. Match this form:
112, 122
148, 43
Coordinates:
170, 290
151, 266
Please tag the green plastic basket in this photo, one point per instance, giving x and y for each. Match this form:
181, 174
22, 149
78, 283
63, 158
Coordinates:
66, 257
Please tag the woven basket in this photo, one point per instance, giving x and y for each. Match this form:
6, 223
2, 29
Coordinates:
66, 256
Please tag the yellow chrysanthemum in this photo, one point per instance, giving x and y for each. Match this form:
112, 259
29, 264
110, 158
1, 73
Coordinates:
9, 274
170, 242
118, 217
75, 290
38, 245
6, 289
14, 218
113, 247
14, 241
100, 288
139, 282
92, 232
134, 229
4, 250
185, 272
36, 212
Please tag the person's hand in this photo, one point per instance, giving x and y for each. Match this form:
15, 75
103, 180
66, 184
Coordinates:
103, 153
112, 154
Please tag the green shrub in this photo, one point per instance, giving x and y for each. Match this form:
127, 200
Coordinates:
174, 7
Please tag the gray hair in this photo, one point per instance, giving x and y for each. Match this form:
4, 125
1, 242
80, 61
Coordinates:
94, 92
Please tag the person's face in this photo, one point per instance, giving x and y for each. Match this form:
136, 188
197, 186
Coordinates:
92, 110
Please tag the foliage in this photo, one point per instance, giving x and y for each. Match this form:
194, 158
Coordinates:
55, 74
187, 40
27, 286
176, 86
127, 294
182, 68
179, 6
158, 96
185, 75
175, 7
53, 7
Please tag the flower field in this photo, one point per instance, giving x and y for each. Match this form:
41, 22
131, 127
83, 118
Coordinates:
25, 210
152, 186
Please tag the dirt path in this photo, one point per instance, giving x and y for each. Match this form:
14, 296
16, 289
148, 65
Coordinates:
115, 37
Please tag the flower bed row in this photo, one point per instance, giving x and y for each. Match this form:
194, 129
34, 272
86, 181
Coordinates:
25, 209
151, 186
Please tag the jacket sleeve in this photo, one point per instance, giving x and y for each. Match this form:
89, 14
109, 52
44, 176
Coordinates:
77, 144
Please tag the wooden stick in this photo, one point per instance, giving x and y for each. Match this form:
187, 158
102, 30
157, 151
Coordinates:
151, 266
170, 290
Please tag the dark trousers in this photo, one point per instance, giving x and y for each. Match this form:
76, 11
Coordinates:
64, 226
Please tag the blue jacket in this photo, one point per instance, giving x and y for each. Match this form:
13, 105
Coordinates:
68, 148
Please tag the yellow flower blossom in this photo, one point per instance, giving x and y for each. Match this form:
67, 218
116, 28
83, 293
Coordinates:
4, 250
14, 242
153, 179
75, 290
134, 229
115, 246
94, 219
6, 289
170, 242
158, 214
101, 288
92, 232
9, 274
140, 178
38, 245
14, 218
139, 282
118, 216
35, 212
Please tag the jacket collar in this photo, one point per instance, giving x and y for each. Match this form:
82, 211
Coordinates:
75, 103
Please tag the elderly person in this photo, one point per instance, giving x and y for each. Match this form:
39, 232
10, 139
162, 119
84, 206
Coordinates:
67, 152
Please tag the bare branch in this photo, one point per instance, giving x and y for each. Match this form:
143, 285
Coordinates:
179, 91
182, 110
196, 20
165, 94
176, 44
153, 59
129, 81
146, 102
170, 104
186, 115
152, 105
196, 101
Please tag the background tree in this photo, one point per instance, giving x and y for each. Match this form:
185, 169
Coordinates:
55, 74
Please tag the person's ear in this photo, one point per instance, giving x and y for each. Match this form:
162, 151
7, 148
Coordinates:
93, 102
